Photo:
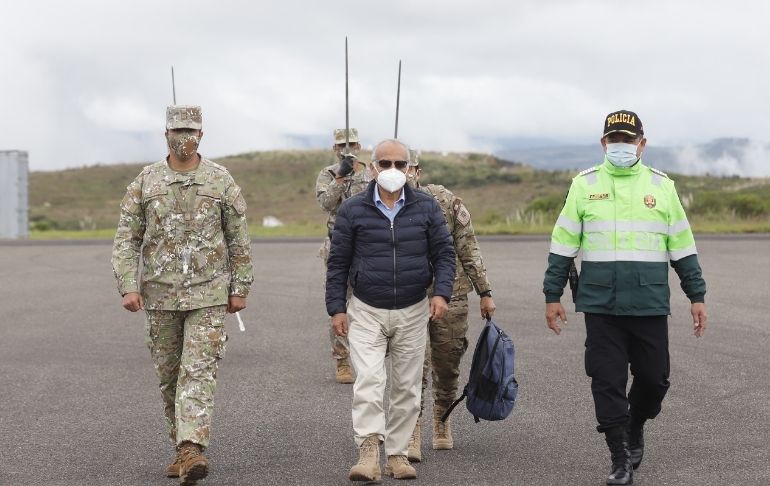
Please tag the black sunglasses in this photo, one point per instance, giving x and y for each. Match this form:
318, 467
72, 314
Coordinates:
387, 164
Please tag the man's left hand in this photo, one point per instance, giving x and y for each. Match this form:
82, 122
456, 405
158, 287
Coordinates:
438, 307
699, 318
235, 304
487, 307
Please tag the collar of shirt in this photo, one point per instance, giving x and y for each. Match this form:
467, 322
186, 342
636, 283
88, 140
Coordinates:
390, 213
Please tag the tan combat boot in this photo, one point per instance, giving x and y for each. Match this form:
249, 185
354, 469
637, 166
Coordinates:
399, 468
414, 453
344, 373
442, 431
368, 466
194, 465
172, 470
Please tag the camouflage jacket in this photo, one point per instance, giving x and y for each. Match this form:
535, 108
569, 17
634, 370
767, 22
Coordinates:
195, 246
330, 193
471, 272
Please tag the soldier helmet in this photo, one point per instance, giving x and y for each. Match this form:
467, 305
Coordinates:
339, 136
183, 116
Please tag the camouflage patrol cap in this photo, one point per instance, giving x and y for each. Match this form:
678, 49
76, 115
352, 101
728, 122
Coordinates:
339, 136
183, 116
414, 158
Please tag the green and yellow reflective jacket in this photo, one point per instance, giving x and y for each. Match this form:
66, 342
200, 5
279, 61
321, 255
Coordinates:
629, 224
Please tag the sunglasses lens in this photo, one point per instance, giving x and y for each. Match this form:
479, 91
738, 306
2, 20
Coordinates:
401, 164
385, 164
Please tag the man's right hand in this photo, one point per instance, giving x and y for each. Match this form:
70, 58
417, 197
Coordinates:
133, 301
340, 324
346, 165
553, 313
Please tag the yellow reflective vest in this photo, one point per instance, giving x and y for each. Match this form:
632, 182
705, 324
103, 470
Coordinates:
629, 224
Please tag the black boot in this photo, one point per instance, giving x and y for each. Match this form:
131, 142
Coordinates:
617, 441
636, 441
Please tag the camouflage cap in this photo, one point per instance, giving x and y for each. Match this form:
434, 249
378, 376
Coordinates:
183, 116
414, 158
339, 136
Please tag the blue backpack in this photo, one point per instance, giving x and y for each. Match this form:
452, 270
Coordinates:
491, 389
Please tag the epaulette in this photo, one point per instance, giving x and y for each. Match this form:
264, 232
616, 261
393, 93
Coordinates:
588, 171
659, 172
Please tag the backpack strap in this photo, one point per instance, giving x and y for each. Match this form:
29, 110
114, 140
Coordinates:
454, 404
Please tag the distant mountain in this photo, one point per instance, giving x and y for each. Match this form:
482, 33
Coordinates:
722, 157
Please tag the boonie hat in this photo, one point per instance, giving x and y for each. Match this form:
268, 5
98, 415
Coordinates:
183, 116
623, 121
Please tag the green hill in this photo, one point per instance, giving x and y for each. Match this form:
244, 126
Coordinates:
504, 197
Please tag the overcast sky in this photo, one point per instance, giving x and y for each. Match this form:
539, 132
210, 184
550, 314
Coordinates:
87, 82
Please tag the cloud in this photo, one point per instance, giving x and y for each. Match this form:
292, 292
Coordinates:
748, 160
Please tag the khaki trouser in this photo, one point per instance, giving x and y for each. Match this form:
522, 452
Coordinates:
186, 347
371, 333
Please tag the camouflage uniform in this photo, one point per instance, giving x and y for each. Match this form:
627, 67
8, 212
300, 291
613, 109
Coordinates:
330, 195
447, 336
191, 230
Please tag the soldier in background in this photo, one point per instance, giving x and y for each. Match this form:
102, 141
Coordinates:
334, 184
447, 336
186, 216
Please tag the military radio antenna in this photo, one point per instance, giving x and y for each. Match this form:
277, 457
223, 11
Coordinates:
347, 104
173, 85
398, 97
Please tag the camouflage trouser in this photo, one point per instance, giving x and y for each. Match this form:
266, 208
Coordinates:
186, 347
340, 346
446, 346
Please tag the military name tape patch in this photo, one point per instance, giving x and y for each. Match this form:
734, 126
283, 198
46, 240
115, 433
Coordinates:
595, 197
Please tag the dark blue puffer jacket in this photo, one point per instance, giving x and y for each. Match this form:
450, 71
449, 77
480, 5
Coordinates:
389, 267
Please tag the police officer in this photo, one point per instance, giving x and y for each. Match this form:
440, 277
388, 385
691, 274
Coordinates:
447, 336
629, 223
334, 184
186, 217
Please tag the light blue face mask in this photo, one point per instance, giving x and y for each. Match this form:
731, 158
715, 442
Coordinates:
622, 154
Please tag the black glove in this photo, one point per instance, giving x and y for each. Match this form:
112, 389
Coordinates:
346, 165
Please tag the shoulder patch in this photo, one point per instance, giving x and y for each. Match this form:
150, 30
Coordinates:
659, 172
588, 171
463, 215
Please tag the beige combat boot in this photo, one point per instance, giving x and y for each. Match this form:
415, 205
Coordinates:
172, 470
414, 452
399, 468
368, 466
193, 466
442, 431
344, 374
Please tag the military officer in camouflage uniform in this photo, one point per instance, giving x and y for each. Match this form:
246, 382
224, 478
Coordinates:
447, 336
334, 184
186, 216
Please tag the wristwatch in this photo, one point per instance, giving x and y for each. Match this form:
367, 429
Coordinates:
488, 293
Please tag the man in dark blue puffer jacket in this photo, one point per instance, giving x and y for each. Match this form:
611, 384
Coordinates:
390, 243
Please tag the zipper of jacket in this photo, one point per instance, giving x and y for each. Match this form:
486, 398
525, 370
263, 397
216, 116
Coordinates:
393, 240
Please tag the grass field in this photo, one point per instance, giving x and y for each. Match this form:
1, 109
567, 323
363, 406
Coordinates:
503, 197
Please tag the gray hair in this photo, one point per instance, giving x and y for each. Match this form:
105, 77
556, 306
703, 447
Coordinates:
397, 142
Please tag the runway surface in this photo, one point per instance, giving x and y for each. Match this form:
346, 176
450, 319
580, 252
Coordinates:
80, 405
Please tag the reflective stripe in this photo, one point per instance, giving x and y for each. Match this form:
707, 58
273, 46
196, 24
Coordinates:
656, 179
564, 250
624, 256
569, 225
591, 178
678, 226
648, 226
675, 255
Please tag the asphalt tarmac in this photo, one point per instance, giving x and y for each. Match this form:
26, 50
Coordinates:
79, 403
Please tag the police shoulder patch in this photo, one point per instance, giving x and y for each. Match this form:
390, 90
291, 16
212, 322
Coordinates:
588, 171
659, 172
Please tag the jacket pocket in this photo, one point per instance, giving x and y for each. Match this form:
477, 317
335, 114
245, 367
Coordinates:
596, 286
654, 291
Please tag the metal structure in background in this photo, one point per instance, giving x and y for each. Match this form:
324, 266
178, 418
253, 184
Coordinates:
14, 169
347, 104
173, 85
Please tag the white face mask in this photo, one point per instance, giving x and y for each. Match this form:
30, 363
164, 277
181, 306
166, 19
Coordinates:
391, 179
622, 154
